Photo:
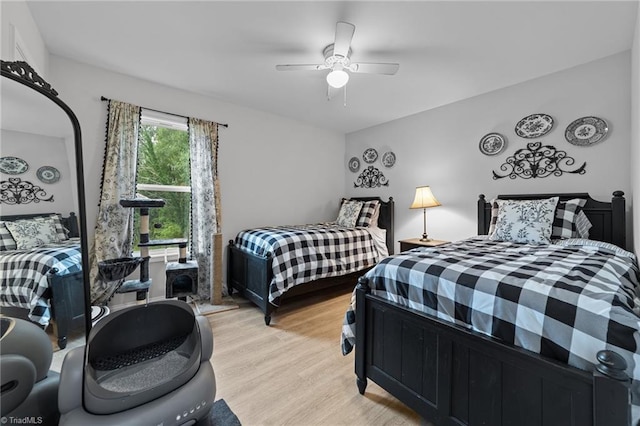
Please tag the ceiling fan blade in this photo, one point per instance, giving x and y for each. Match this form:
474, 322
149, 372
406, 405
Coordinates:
301, 67
374, 68
344, 34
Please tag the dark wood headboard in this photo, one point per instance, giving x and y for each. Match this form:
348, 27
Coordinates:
70, 222
608, 219
385, 220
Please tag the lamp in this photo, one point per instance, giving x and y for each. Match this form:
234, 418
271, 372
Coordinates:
338, 77
424, 198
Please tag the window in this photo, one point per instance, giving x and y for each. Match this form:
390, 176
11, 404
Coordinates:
163, 172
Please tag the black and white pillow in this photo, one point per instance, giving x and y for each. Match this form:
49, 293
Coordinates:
29, 233
525, 221
6, 240
495, 206
57, 221
349, 213
564, 224
369, 213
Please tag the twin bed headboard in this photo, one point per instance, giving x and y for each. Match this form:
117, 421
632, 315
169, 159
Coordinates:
385, 220
608, 219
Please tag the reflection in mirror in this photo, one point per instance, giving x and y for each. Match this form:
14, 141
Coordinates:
42, 238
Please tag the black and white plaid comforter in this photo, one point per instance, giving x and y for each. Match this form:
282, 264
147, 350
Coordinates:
303, 253
566, 301
23, 276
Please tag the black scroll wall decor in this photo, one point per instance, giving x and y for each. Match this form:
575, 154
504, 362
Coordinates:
538, 161
371, 177
18, 191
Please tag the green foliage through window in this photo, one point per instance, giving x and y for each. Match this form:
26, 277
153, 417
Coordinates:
163, 159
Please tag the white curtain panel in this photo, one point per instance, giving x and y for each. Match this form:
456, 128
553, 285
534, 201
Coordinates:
114, 226
205, 200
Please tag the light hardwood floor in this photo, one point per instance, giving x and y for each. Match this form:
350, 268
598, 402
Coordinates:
293, 372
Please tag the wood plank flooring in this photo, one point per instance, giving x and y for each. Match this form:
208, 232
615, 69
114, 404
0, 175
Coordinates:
293, 372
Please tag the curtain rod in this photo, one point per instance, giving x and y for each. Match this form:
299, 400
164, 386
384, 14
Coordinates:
102, 98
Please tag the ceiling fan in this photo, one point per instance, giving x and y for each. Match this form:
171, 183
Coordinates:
337, 59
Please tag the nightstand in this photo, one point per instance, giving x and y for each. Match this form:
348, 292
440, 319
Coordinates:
412, 243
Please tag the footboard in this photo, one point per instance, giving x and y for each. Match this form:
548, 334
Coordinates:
450, 375
250, 275
67, 303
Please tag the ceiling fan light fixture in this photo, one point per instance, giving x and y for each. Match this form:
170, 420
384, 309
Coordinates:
337, 78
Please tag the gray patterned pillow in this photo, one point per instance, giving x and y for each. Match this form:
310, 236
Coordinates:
349, 212
60, 229
6, 240
29, 233
525, 221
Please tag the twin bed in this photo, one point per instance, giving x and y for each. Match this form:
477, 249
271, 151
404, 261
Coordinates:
266, 265
491, 331
44, 283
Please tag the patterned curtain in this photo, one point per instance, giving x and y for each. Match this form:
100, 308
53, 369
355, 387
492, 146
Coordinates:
114, 226
205, 199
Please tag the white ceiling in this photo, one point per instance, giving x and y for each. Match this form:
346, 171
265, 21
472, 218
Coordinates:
447, 50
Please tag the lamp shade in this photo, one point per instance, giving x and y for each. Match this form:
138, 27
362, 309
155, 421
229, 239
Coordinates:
337, 78
424, 198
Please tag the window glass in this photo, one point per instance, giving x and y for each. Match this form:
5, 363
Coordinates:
163, 172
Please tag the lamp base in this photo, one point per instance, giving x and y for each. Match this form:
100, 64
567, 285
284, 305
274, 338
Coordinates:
425, 238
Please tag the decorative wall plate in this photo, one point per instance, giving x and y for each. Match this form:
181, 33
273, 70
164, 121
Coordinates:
370, 155
354, 164
534, 126
492, 144
388, 159
13, 165
586, 131
48, 174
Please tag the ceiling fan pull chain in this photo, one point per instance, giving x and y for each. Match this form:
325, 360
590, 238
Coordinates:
345, 97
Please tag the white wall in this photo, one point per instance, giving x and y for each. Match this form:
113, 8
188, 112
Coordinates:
440, 147
18, 27
635, 130
273, 170
38, 151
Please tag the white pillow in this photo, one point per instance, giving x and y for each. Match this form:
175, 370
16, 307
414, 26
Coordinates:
29, 233
583, 225
525, 221
349, 213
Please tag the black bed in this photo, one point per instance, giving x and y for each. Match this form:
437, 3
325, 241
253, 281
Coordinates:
452, 375
65, 292
251, 274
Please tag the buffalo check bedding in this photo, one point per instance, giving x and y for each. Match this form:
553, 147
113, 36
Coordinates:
566, 300
303, 253
23, 276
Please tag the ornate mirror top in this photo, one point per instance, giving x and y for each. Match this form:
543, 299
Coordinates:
23, 71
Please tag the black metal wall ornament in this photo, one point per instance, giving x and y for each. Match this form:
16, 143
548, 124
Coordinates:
18, 191
538, 161
371, 177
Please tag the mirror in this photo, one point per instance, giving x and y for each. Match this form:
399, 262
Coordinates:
41, 172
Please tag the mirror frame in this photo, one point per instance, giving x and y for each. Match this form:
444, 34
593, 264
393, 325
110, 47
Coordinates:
24, 74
